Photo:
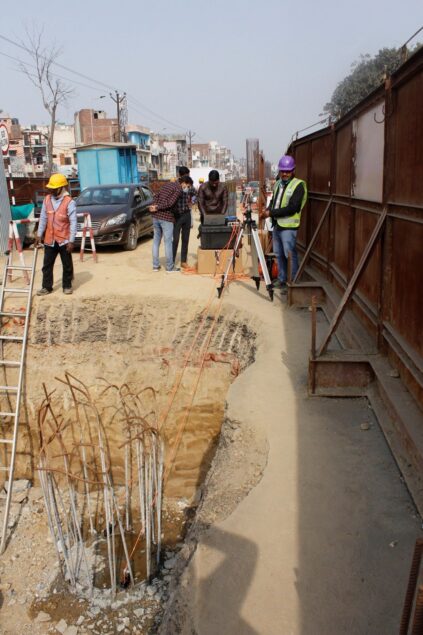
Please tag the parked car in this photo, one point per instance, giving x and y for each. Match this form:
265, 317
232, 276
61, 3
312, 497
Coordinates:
119, 213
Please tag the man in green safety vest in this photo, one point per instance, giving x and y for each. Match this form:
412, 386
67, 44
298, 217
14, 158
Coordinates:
285, 206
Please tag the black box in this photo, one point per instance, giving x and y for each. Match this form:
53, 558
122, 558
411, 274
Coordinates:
217, 237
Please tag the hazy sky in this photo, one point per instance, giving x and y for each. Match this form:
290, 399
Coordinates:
227, 70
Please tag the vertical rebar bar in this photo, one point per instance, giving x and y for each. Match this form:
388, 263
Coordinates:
159, 501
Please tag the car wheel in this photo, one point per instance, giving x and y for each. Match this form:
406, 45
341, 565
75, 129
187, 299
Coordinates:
131, 238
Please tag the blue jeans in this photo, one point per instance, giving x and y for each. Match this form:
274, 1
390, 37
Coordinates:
163, 228
284, 241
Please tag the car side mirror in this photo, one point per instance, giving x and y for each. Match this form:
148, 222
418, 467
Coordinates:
137, 201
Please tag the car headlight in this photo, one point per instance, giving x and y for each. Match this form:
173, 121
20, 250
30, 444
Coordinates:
116, 220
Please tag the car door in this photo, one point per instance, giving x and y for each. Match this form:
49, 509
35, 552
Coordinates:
137, 208
147, 220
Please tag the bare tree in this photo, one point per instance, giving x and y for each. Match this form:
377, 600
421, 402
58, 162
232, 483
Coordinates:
54, 91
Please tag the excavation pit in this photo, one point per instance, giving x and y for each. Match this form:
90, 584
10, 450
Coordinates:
185, 360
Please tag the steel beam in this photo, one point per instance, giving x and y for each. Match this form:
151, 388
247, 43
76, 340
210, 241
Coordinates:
353, 282
312, 242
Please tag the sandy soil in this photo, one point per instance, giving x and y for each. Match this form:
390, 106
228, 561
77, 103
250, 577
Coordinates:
304, 526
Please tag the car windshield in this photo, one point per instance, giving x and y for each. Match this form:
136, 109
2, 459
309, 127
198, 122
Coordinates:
103, 196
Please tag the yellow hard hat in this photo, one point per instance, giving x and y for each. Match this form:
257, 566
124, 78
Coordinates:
201, 180
57, 180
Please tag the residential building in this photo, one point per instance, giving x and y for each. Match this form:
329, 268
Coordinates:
158, 152
215, 156
200, 155
93, 126
16, 151
176, 154
140, 137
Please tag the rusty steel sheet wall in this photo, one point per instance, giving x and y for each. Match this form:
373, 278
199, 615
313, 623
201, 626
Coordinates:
369, 160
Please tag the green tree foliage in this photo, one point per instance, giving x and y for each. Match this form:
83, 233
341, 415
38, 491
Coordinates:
367, 74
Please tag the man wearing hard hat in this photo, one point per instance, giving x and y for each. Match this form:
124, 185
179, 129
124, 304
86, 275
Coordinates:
284, 208
57, 229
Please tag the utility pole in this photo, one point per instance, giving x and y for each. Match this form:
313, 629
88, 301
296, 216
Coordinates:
190, 136
119, 100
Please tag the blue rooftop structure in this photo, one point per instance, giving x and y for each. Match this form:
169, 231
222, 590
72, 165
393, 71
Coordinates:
107, 163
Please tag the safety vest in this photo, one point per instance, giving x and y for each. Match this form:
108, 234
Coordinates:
290, 222
58, 224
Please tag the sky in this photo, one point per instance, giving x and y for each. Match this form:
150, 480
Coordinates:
226, 70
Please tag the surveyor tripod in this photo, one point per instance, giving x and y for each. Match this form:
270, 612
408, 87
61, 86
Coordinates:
248, 228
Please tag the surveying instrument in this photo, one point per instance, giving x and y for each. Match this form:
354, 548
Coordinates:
249, 228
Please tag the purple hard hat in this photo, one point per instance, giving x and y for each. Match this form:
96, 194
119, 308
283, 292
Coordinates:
286, 163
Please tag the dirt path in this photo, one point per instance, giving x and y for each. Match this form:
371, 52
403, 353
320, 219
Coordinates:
305, 528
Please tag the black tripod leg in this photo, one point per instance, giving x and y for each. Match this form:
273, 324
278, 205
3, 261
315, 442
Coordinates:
222, 286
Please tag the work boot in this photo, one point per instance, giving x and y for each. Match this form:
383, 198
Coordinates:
184, 265
68, 291
44, 291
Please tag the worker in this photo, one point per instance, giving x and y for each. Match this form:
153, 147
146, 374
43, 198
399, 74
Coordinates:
183, 220
57, 229
164, 210
200, 183
212, 196
288, 199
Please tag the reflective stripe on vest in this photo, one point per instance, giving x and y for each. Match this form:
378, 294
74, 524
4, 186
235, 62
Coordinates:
58, 224
292, 222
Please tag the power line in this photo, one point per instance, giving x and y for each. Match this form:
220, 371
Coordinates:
171, 123
159, 118
66, 68
66, 79
70, 70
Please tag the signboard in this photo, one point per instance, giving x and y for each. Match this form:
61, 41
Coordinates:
4, 139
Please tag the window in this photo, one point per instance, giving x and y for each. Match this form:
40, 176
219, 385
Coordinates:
147, 194
104, 196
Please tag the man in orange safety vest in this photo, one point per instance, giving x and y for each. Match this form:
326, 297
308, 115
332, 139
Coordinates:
57, 229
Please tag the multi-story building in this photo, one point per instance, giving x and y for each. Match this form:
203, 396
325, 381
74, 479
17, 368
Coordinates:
140, 136
200, 155
93, 126
158, 152
64, 153
16, 149
29, 148
176, 154
215, 156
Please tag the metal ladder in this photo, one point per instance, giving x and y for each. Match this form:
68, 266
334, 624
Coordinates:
13, 391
